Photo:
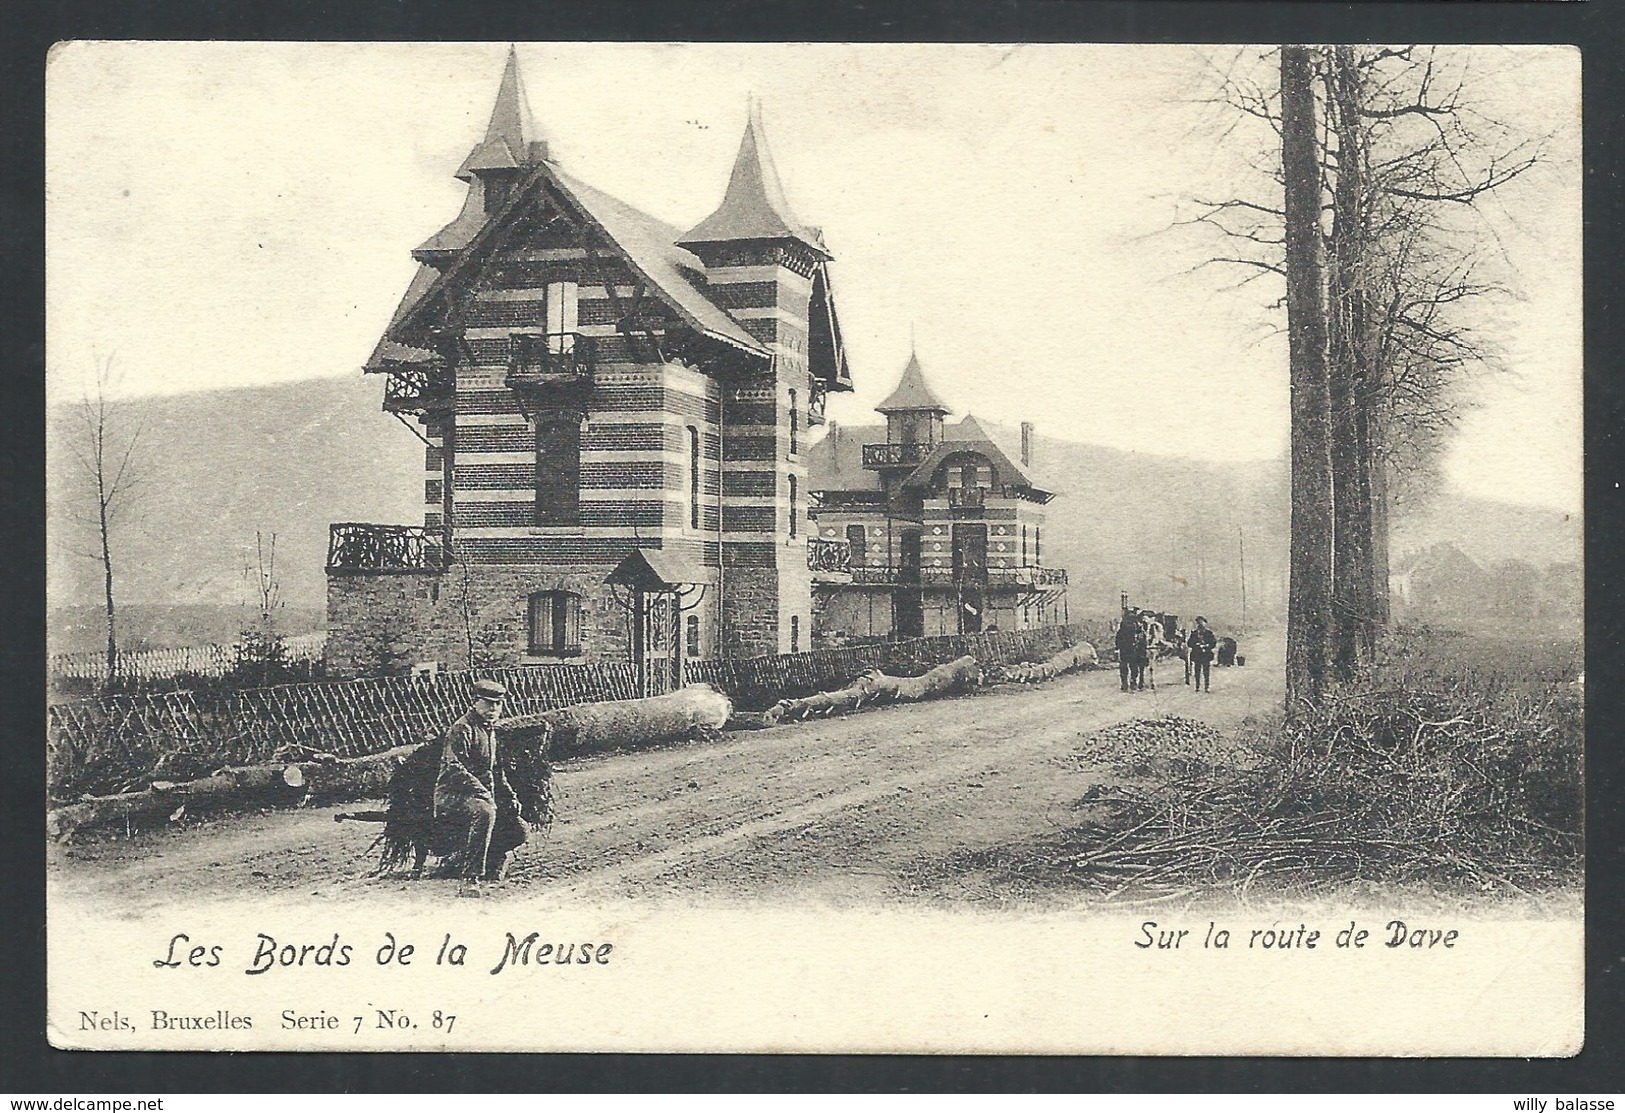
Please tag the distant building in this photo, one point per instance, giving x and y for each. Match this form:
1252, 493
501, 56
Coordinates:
929, 528
598, 393
1439, 580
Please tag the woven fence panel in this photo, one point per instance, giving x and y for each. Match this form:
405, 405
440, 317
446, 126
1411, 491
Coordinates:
116, 743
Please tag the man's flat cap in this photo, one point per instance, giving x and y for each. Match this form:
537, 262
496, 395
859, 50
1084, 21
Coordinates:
489, 689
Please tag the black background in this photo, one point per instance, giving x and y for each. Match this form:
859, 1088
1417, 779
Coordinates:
29, 1066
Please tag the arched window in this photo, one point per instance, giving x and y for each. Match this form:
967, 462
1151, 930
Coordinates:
555, 624
1024, 544
1038, 534
794, 508
968, 469
694, 474
693, 631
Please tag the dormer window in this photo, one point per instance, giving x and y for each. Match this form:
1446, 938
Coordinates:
968, 470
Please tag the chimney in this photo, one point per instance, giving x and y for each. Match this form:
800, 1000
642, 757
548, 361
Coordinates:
1026, 444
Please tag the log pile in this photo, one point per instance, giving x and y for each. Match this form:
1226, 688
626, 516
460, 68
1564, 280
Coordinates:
1080, 656
876, 687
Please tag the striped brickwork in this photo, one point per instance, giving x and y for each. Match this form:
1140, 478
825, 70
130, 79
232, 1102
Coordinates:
767, 606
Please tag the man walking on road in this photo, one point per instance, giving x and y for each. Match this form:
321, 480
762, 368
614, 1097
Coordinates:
1201, 645
1126, 635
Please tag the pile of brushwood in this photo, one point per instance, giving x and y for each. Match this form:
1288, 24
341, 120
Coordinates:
1444, 785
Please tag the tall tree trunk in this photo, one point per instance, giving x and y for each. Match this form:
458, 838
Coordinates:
1381, 601
1309, 593
107, 575
1349, 348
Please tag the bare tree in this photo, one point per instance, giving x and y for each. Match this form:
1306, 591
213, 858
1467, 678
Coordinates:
1309, 593
104, 447
1401, 162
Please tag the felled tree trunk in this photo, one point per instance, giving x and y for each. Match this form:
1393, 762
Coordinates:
596, 726
1080, 656
277, 782
877, 687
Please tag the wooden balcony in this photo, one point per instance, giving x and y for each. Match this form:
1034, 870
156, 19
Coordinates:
537, 361
830, 561
417, 389
890, 455
362, 548
1025, 577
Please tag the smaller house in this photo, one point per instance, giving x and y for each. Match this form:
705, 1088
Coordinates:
922, 527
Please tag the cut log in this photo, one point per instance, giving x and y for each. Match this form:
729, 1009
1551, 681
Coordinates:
877, 687
1079, 656
597, 726
278, 783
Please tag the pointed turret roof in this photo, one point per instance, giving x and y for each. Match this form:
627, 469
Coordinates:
754, 208
913, 392
511, 141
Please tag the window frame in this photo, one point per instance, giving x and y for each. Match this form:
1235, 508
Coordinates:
563, 613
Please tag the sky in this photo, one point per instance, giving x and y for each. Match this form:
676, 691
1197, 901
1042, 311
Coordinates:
240, 214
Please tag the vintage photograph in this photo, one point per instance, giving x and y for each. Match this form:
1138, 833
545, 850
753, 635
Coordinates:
815, 547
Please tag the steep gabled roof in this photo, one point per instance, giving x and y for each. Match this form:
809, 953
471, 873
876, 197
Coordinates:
913, 392
754, 207
649, 245
993, 441
388, 351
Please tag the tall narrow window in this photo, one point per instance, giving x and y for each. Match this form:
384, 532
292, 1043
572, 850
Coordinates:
562, 316
558, 469
555, 624
794, 508
795, 633
795, 424
1024, 543
1038, 535
694, 466
857, 541
693, 630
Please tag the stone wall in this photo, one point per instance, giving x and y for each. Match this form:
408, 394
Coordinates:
383, 625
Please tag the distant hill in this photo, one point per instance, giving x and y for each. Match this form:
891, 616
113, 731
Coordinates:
294, 457
217, 466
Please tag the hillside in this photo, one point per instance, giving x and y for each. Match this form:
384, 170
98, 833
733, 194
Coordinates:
292, 458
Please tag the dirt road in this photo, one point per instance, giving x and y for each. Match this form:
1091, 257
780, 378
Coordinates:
844, 811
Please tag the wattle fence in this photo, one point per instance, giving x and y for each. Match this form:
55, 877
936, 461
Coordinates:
117, 743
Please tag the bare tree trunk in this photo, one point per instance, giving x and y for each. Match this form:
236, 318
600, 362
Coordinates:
1309, 601
1347, 342
107, 576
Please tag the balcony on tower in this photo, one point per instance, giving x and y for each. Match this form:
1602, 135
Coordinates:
895, 455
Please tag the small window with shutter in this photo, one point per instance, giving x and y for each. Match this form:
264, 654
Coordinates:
555, 624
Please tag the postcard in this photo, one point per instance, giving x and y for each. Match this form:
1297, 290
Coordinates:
984, 548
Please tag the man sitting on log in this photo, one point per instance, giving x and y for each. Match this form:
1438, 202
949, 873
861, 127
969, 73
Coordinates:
469, 785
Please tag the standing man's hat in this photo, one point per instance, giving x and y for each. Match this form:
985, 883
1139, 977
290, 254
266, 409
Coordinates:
489, 689
1199, 618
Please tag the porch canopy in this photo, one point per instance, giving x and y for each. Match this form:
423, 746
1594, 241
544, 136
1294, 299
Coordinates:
655, 570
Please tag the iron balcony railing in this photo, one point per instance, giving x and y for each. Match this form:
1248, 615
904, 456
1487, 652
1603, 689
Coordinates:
546, 359
967, 498
828, 556
887, 575
354, 547
894, 455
